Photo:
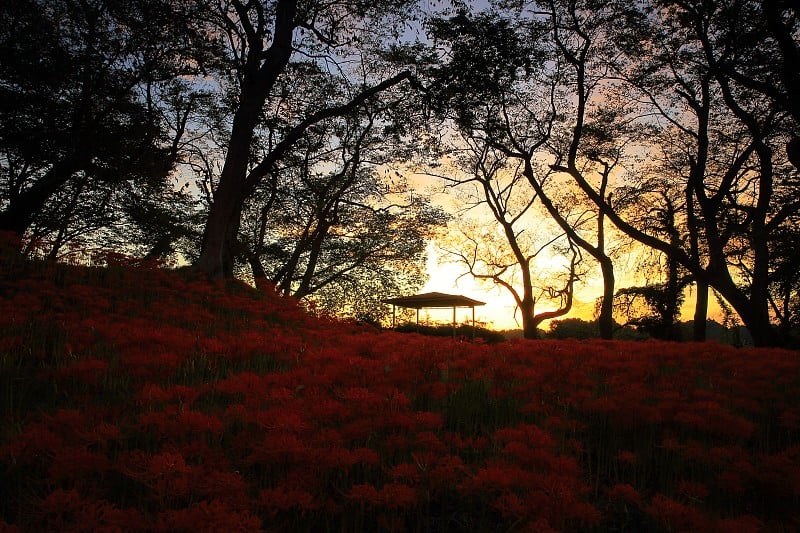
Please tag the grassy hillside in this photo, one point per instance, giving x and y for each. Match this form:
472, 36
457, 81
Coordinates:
135, 398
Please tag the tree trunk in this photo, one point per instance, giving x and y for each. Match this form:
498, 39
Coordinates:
527, 306
215, 258
261, 71
605, 320
699, 328
259, 274
754, 312
758, 320
216, 254
235, 184
305, 288
530, 328
761, 329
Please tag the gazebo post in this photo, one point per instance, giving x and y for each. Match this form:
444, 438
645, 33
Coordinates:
394, 309
454, 322
473, 323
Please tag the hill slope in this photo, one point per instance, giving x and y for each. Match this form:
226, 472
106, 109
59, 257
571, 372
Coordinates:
135, 398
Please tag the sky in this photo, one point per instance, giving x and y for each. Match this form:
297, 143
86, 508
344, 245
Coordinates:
499, 312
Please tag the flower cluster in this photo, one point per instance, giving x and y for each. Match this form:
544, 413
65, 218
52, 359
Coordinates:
138, 398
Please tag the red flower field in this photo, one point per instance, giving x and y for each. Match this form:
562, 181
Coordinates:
135, 398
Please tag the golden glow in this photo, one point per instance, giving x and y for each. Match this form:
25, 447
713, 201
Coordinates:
499, 311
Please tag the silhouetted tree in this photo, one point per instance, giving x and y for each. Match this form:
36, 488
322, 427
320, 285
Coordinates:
84, 88
573, 328
509, 252
261, 39
784, 296
334, 224
733, 193
513, 105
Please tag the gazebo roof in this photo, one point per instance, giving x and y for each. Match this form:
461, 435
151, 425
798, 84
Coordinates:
433, 299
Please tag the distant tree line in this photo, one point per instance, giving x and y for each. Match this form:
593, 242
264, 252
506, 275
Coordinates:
265, 138
578, 328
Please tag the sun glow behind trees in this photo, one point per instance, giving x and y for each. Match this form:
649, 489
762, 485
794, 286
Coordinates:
445, 274
500, 310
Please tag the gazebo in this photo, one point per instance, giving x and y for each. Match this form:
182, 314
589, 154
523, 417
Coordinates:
434, 300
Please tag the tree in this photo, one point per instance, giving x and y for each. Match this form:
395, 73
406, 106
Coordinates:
782, 20
82, 97
653, 308
261, 39
613, 76
785, 287
703, 134
508, 254
333, 224
514, 108
737, 205
572, 328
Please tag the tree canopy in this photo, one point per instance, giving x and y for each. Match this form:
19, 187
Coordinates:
272, 140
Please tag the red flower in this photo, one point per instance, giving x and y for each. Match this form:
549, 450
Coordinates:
624, 493
405, 471
498, 477
209, 517
66, 510
282, 499
741, 524
73, 463
60, 507
675, 516
692, 490
37, 441
168, 474
429, 420
366, 456
626, 457
732, 481
228, 487
364, 493
338, 458
397, 496
86, 371
530, 434
429, 441
447, 470
509, 505
151, 393
197, 422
